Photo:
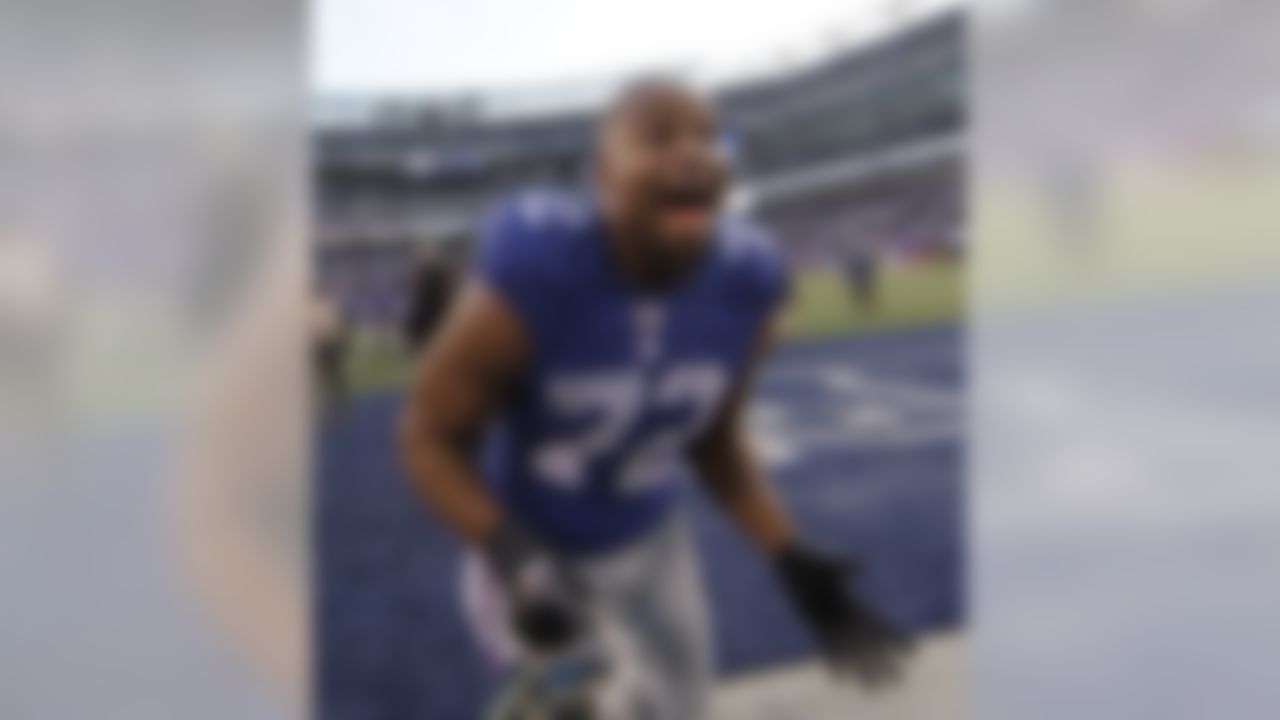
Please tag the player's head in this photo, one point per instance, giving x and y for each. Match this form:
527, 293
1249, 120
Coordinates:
659, 168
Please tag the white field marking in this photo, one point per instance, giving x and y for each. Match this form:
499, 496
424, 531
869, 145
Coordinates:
845, 380
776, 450
855, 411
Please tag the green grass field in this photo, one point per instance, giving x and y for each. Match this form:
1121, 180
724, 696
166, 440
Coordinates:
821, 306
909, 296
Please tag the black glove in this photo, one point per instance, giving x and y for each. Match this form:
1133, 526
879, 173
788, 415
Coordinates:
853, 636
545, 601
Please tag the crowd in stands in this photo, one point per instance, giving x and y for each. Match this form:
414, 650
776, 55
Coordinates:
387, 194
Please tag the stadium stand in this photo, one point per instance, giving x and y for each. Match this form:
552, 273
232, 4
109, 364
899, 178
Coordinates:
855, 154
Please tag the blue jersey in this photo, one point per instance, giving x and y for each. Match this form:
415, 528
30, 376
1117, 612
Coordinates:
587, 452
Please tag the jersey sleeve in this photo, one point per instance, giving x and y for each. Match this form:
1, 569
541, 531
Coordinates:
525, 250
507, 260
766, 278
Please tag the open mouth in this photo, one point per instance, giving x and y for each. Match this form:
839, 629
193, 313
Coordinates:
688, 209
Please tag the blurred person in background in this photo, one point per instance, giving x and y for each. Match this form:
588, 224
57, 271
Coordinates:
602, 345
431, 287
329, 339
860, 270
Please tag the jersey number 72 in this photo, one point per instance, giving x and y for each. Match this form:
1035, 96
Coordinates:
615, 401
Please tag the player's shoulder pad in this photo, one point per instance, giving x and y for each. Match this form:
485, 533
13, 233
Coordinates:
527, 240
533, 227
753, 257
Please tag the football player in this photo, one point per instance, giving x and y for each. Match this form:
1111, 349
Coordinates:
603, 345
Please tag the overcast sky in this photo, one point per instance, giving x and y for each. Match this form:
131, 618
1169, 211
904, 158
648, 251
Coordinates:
417, 46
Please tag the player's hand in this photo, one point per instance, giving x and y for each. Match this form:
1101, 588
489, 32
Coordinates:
855, 638
547, 608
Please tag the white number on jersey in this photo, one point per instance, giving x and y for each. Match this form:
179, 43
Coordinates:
616, 400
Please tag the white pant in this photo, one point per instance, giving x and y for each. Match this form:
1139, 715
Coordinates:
647, 604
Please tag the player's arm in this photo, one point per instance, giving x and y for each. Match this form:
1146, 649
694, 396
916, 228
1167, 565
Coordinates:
852, 634
462, 377
726, 464
481, 350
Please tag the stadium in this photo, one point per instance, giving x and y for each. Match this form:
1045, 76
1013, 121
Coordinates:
854, 161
